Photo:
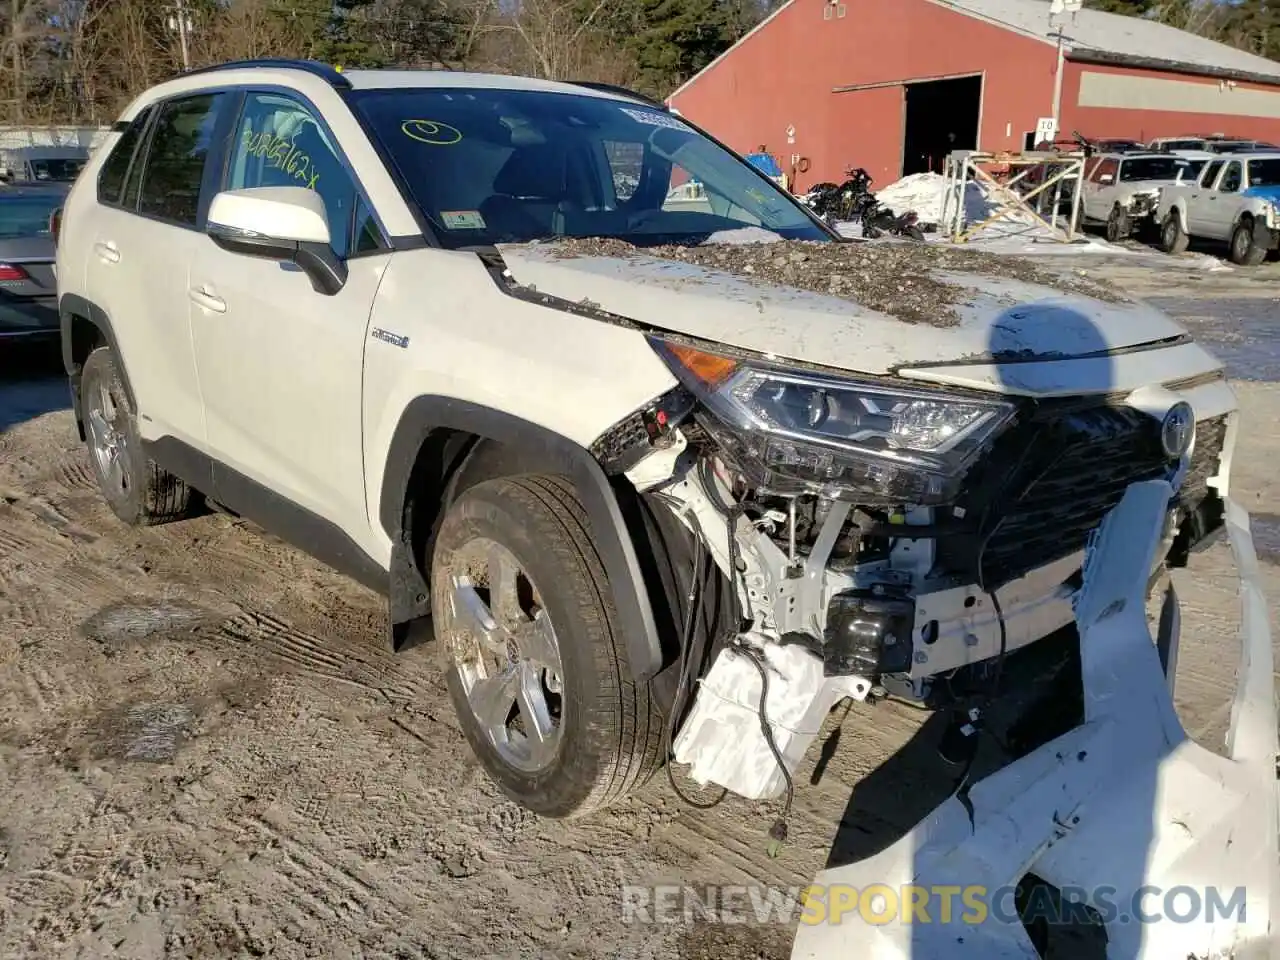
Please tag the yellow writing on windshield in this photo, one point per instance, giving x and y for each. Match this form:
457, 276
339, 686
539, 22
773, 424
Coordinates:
282, 155
431, 131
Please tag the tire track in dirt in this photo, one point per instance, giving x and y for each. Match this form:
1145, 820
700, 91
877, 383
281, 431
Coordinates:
352, 663
332, 882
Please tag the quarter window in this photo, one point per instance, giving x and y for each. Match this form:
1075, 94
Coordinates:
280, 143
116, 167
176, 159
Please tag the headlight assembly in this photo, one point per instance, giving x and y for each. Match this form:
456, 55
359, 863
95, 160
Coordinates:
793, 431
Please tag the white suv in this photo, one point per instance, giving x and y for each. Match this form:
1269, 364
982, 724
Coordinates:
619, 488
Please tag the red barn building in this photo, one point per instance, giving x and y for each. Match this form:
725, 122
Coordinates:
893, 85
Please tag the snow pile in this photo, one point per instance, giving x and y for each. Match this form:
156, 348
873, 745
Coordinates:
925, 193
744, 235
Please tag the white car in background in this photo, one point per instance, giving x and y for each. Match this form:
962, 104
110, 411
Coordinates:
1122, 189
1236, 199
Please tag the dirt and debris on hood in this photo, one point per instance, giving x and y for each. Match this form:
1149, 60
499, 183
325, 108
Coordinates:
898, 279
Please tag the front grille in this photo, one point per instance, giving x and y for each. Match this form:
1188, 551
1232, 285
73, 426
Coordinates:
1048, 484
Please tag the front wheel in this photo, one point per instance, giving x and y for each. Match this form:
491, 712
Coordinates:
1245, 249
1118, 225
536, 666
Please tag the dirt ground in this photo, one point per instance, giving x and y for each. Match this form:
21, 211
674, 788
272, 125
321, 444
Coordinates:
206, 749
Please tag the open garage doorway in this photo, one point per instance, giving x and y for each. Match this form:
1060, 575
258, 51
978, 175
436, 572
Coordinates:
940, 116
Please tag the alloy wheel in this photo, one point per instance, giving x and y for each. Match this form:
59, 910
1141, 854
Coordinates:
506, 655
108, 439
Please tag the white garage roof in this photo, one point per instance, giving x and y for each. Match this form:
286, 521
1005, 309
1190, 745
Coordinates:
1123, 39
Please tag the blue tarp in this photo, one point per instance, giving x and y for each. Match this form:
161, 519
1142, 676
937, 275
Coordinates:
765, 163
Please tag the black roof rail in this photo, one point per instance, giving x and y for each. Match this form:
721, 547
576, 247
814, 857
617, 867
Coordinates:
324, 71
621, 91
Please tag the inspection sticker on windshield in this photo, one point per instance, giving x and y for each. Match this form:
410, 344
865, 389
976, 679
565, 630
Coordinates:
655, 119
462, 219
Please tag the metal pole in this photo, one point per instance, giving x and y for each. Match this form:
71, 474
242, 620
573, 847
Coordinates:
182, 35
1057, 85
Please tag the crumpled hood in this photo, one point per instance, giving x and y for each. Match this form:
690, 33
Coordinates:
1002, 320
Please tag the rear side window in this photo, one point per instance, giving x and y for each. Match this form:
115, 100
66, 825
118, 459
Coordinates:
179, 148
112, 176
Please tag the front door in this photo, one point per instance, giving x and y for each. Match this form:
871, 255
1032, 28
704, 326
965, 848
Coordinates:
281, 365
1220, 210
1199, 202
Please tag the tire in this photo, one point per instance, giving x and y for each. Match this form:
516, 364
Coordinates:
1245, 249
914, 233
1118, 225
138, 491
1173, 239
608, 738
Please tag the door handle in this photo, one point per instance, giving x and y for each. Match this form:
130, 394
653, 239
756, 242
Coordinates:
107, 251
202, 298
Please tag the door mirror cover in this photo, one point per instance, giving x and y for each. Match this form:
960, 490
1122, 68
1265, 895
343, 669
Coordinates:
290, 214
279, 223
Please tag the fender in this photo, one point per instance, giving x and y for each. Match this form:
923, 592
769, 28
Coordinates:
609, 530
70, 308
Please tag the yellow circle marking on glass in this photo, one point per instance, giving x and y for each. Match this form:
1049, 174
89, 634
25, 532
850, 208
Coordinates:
431, 131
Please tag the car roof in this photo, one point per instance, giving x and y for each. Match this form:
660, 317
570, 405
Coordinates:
1133, 155
1250, 155
59, 150
35, 188
436, 79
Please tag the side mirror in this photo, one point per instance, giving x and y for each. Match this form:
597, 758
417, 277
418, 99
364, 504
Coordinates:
279, 223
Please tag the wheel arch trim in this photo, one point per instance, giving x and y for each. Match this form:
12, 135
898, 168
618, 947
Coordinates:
428, 413
70, 308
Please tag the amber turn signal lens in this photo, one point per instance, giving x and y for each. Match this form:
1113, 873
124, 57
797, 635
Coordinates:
710, 368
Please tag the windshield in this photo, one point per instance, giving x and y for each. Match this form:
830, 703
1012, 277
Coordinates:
1182, 145
26, 216
1264, 173
58, 168
1228, 146
509, 166
1193, 168
1152, 168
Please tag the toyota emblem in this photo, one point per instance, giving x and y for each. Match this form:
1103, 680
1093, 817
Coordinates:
1177, 430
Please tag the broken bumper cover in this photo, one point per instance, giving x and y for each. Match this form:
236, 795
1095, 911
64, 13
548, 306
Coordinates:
1121, 811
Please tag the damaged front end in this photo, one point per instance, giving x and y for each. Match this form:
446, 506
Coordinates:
1145, 828
884, 538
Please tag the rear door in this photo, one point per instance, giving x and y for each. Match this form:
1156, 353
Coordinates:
1098, 189
142, 244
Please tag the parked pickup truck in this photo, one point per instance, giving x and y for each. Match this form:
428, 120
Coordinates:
1122, 190
1237, 199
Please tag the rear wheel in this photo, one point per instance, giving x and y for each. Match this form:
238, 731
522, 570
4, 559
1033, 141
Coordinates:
138, 491
1173, 239
537, 668
1245, 249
